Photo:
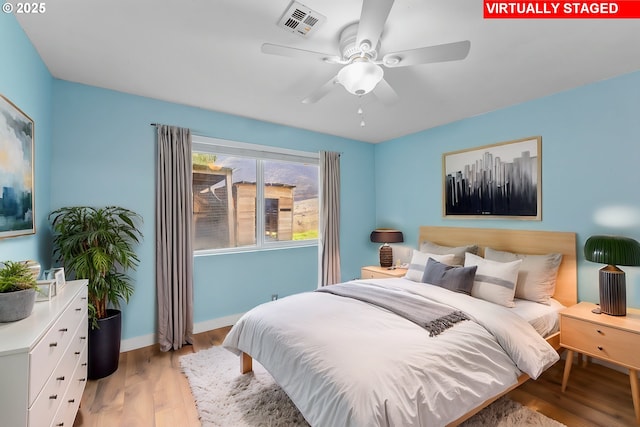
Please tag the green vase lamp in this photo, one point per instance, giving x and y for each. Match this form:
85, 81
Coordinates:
612, 251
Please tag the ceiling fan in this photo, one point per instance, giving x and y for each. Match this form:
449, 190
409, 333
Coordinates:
359, 53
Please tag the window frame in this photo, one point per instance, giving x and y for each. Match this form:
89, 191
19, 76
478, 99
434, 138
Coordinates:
261, 153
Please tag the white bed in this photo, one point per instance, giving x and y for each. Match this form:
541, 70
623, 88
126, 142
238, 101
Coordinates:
544, 318
348, 363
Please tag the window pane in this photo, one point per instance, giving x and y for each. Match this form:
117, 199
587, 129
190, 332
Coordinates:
224, 201
291, 201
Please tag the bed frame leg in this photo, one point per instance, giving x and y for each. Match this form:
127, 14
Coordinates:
246, 363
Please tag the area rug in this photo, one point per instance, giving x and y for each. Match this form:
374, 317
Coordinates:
225, 398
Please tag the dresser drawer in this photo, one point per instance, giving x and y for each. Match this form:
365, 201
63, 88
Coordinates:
71, 401
52, 396
27, 368
45, 356
600, 341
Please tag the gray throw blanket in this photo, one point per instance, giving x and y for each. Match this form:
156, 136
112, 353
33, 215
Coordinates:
432, 316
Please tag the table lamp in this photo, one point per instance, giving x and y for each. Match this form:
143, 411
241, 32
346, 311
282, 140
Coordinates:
386, 236
613, 251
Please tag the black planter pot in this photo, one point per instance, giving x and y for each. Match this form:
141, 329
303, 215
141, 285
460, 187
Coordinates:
104, 346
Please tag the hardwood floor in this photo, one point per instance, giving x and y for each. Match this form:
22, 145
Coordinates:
149, 390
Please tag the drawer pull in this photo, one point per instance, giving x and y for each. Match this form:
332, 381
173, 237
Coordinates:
71, 400
83, 338
53, 344
78, 309
53, 396
63, 329
76, 353
59, 424
60, 378
84, 364
599, 331
82, 380
600, 348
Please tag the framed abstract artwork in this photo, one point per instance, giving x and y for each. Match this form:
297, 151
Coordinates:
16, 171
498, 181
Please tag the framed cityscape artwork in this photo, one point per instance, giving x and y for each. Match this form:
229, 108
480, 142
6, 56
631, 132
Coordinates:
16, 171
499, 181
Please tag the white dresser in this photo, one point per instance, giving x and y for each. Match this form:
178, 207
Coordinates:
43, 361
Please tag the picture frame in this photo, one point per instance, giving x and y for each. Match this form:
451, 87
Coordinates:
17, 171
496, 181
57, 274
47, 289
59, 278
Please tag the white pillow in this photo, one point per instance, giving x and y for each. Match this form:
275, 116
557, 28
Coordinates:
494, 281
458, 251
537, 276
419, 262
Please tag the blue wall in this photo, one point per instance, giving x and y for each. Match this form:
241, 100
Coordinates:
104, 154
95, 146
26, 82
590, 169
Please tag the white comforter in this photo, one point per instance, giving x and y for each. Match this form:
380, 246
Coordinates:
347, 363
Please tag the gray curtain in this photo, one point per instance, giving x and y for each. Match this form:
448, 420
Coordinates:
329, 250
174, 255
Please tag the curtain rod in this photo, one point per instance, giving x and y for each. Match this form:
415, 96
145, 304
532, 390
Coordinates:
193, 132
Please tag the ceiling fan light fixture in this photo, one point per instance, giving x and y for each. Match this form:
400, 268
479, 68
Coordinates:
360, 77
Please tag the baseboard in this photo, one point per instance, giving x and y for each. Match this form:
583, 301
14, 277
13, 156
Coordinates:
151, 339
220, 322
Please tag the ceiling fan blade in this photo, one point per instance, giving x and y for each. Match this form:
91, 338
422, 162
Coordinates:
321, 92
385, 93
426, 55
274, 49
372, 19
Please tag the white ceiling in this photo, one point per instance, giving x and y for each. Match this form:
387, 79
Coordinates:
206, 53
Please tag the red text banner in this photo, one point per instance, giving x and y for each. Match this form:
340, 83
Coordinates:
623, 9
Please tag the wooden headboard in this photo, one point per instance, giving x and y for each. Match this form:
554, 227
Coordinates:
517, 241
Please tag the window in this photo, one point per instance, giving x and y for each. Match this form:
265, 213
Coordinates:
248, 196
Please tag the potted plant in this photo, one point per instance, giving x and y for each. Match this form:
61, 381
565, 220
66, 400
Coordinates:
97, 244
17, 291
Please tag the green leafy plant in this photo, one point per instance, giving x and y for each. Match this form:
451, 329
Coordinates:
97, 244
16, 276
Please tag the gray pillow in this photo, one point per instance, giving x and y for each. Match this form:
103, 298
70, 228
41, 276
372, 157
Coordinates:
456, 279
457, 251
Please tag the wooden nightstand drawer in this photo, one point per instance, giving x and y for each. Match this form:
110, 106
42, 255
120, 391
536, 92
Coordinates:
601, 341
375, 272
612, 338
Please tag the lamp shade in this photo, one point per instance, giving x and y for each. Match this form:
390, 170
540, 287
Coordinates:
386, 235
612, 250
360, 77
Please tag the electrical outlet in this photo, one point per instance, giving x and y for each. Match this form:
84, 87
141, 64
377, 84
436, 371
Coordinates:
274, 297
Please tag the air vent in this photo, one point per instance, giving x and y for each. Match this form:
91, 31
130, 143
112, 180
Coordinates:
300, 20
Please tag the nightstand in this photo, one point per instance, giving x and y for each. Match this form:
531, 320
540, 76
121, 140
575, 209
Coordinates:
375, 272
615, 339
